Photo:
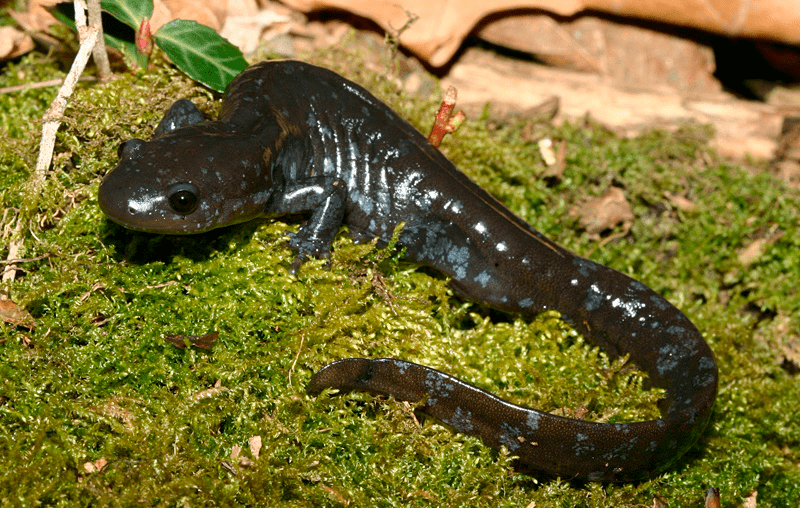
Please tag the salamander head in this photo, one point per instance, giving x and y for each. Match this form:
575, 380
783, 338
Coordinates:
189, 181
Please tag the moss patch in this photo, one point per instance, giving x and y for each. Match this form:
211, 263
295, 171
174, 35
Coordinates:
95, 379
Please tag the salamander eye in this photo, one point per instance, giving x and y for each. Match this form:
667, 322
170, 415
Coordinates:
183, 198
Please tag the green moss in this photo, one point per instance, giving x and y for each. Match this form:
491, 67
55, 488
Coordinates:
95, 379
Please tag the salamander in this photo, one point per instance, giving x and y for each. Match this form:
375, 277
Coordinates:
293, 138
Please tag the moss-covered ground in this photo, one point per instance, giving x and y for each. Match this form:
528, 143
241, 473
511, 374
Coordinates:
96, 382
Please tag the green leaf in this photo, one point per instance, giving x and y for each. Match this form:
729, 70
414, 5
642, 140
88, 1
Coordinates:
130, 12
201, 53
118, 35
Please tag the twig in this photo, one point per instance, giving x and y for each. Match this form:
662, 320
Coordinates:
24, 260
52, 120
297, 356
40, 84
446, 122
99, 54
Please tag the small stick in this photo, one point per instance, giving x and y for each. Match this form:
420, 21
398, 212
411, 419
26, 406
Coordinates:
40, 84
99, 54
52, 120
446, 122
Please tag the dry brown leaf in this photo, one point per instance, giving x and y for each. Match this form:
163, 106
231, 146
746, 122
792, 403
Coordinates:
210, 13
13, 314
657, 503
681, 203
114, 410
247, 29
36, 18
753, 252
750, 254
13, 43
211, 392
547, 151
441, 26
96, 466
742, 127
751, 501
255, 446
605, 212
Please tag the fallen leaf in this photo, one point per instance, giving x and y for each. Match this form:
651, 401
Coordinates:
439, 28
605, 212
758, 247
13, 314
96, 466
246, 30
211, 392
13, 43
255, 446
547, 151
205, 342
118, 412
681, 203
750, 254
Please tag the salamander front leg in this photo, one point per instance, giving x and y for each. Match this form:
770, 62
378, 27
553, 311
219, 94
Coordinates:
325, 198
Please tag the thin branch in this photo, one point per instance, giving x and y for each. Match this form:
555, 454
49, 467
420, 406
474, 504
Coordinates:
52, 120
24, 260
99, 54
40, 84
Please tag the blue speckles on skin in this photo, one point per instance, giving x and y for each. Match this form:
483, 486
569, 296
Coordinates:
526, 303
636, 287
483, 279
707, 374
364, 203
659, 302
407, 187
679, 331
622, 451
582, 445
667, 358
594, 299
585, 267
461, 421
400, 365
438, 386
454, 206
262, 197
630, 306
509, 436
533, 419
458, 258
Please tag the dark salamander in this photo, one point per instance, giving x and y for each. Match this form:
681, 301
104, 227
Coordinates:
295, 138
